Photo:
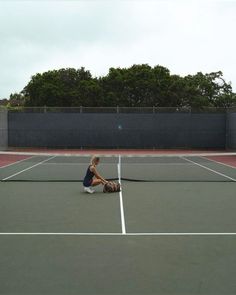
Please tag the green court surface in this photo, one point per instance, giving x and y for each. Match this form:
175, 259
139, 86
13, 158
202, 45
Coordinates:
118, 265
160, 237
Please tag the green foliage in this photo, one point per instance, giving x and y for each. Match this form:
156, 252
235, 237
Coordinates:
64, 88
139, 86
16, 100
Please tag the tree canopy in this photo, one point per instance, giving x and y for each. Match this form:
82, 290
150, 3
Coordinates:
136, 86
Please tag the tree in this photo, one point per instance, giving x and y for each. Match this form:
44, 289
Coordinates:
208, 90
16, 100
62, 88
136, 86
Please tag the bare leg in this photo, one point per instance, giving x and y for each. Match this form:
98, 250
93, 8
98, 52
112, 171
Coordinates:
96, 182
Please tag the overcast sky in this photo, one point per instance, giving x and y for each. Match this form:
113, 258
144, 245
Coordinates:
183, 35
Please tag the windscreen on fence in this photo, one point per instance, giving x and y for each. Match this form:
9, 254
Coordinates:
120, 127
3, 129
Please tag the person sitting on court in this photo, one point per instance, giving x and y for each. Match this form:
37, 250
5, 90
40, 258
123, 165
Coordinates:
92, 177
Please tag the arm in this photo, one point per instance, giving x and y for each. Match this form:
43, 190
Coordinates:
97, 175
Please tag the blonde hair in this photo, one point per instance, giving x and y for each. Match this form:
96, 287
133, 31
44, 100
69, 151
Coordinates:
94, 159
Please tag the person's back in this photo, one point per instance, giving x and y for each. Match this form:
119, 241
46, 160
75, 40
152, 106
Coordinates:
88, 179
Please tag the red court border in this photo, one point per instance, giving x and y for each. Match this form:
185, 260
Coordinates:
225, 160
6, 160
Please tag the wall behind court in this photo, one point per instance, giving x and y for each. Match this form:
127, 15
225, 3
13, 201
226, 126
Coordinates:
3, 129
117, 130
231, 130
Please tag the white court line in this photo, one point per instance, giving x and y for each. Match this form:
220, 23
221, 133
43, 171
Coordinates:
127, 155
67, 164
27, 169
119, 234
158, 164
79, 164
205, 167
121, 199
138, 164
214, 161
17, 162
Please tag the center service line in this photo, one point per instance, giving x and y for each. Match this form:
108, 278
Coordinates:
121, 199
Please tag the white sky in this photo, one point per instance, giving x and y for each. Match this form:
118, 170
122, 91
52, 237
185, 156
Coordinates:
185, 36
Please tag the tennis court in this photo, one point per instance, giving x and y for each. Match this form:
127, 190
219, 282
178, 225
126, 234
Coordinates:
171, 230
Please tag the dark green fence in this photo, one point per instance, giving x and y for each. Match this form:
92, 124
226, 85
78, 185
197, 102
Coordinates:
119, 127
